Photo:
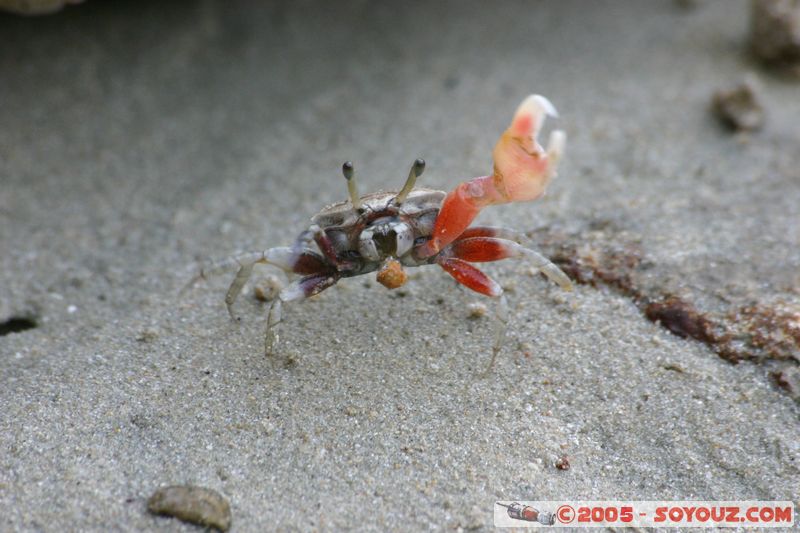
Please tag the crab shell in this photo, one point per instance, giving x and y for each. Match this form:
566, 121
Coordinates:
382, 231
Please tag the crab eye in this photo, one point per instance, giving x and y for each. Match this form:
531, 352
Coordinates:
347, 170
416, 171
352, 190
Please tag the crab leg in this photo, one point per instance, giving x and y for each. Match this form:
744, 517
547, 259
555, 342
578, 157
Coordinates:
485, 249
298, 290
273, 319
242, 275
303, 262
472, 278
522, 170
316, 234
308, 286
478, 247
285, 258
469, 276
495, 231
501, 315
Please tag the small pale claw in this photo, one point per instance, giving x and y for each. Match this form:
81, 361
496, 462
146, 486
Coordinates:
522, 170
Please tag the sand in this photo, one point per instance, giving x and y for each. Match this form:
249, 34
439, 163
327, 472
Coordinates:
140, 139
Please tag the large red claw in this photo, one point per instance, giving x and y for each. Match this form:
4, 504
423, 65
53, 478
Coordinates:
522, 170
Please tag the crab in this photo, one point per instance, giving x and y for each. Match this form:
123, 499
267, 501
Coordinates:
385, 231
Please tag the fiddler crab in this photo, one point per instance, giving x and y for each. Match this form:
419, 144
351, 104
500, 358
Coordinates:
386, 231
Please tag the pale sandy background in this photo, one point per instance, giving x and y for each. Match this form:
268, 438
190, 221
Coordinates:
139, 138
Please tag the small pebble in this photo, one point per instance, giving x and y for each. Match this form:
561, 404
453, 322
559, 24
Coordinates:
788, 378
267, 289
391, 275
775, 33
739, 108
147, 335
196, 505
476, 310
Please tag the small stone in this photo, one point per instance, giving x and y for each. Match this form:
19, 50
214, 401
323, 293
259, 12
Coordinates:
391, 275
476, 310
267, 289
775, 32
788, 378
656, 340
739, 108
196, 505
563, 463
674, 368
147, 335
510, 285
559, 298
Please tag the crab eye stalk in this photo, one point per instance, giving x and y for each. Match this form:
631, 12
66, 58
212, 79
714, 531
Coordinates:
416, 171
349, 175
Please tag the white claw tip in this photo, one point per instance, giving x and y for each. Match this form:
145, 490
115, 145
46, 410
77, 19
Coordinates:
537, 102
544, 104
530, 115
